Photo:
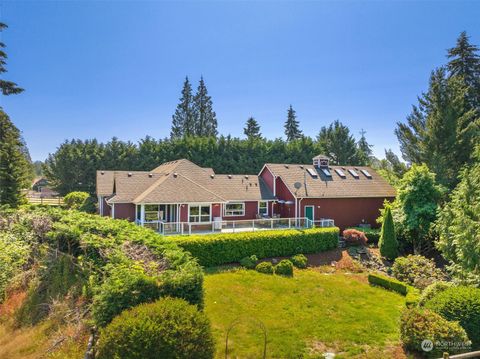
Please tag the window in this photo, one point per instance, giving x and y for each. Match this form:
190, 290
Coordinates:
366, 173
353, 173
151, 212
234, 209
326, 172
340, 172
199, 213
263, 208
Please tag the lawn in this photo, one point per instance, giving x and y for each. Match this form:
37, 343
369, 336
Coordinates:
304, 316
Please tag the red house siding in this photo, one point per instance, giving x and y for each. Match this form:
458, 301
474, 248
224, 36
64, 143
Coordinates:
106, 208
216, 210
183, 212
268, 177
283, 193
346, 212
251, 211
125, 211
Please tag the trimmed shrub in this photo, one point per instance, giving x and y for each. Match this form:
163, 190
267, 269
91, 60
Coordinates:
432, 290
299, 261
461, 304
372, 234
249, 262
353, 237
216, 249
388, 241
417, 325
265, 267
168, 328
413, 297
416, 270
388, 283
78, 200
285, 267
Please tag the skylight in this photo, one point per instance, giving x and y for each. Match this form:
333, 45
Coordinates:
340, 172
326, 171
367, 174
353, 173
312, 172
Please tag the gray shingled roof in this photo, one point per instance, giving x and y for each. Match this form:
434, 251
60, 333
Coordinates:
335, 186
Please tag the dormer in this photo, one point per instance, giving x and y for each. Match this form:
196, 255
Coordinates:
320, 161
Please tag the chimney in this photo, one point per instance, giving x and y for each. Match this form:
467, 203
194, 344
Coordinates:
320, 161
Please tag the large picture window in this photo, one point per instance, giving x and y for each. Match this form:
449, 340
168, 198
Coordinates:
263, 208
234, 209
199, 213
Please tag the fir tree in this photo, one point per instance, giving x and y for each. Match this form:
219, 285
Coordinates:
183, 121
7, 87
364, 150
15, 170
292, 130
337, 142
465, 63
252, 129
388, 244
205, 118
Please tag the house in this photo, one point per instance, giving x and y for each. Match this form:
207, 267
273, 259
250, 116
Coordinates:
183, 193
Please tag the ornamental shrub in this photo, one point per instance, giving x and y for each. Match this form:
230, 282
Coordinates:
417, 325
388, 241
461, 304
265, 267
299, 261
372, 234
168, 329
432, 290
249, 262
354, 238
416, 270
216, 249
284, 267
76, 200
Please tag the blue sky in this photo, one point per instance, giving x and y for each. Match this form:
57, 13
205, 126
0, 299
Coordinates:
115, 68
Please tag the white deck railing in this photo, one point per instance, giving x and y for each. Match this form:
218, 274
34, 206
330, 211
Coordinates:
229, 226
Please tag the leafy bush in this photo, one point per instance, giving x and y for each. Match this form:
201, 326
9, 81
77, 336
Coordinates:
432, 290
416, 325
388, 283
354, 238
76, 200
168, 328
413, 297
299, 261
265, 267
372, 234
249, 262
388, 241
216, 249
416, 270
461, 304
285, 267
14, 253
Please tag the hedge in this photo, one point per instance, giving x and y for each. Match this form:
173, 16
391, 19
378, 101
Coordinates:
216, 249
412, 294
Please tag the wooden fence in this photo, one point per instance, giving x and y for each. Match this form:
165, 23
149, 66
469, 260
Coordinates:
56, 201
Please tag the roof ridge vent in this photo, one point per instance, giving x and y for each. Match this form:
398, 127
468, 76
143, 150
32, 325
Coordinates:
150, 175
175, 174
286, 166
246, 176
129, 174
230, 176
212, 176
102, 172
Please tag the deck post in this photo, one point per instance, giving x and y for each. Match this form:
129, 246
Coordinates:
289, 223
233, 227
189, 228
253, 225
142, 214
271, 223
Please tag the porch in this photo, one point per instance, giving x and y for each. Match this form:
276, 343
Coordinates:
234, 226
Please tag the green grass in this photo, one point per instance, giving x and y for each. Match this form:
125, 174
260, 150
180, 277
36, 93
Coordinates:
304, 316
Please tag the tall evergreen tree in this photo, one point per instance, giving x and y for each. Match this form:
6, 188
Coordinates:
465, 63
205, 117
337, 142
292, 129
252, 129
183, 121
7, 87
15, 170
364, 150
388, 244
442, 130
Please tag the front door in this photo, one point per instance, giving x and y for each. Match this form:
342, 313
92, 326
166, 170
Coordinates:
309, 212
